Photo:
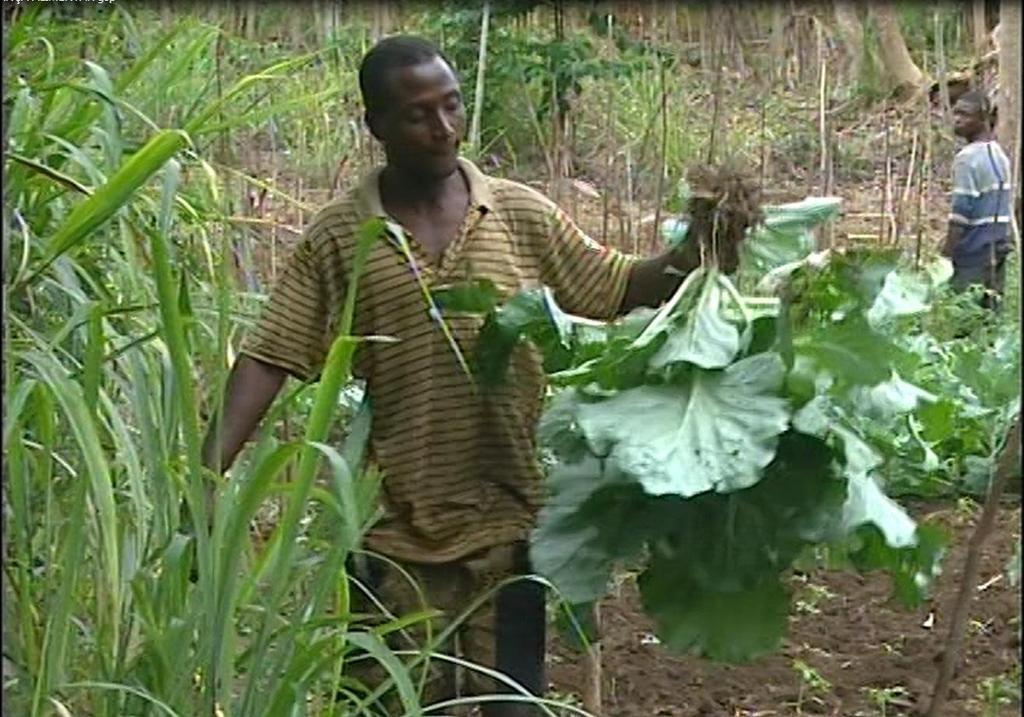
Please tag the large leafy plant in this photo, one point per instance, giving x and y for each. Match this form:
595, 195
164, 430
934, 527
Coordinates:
710, 444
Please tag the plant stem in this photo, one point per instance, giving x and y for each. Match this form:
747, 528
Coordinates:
661, 162
1005, 465
478, 91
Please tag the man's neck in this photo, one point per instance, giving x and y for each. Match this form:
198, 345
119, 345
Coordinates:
981, 137
400, 189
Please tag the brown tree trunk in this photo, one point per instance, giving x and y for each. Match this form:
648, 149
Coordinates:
1008, 129
251, 18
899, 65
979, 27
777, 41
1009, 74
851, 32
298, 19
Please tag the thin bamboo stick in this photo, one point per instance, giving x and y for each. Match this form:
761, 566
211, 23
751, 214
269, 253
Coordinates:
659, 192
592, 668
822, 83
905, 196
478, 91
885, 182
611, 109
633, 234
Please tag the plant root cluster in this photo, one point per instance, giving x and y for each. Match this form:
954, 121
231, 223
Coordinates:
725, 201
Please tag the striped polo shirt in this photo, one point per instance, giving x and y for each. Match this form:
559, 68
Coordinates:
459, 465
981, 202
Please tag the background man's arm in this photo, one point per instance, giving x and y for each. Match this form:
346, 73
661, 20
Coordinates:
251, 388
954, 234
962, 206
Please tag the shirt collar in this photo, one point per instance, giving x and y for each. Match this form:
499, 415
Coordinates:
480, 196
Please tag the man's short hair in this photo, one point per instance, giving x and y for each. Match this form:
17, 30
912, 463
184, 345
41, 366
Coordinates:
388, 54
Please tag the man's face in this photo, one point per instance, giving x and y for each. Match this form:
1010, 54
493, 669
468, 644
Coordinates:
968, 121
424, 121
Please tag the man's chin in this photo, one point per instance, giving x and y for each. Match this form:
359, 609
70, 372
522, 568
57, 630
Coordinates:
432, 170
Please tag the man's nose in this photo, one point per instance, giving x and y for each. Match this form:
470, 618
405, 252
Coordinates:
444, 127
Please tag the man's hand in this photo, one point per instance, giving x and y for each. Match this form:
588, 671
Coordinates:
252, 387
652, 281
954, 234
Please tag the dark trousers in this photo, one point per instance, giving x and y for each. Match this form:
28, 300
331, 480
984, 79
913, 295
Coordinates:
990, 274
506, 634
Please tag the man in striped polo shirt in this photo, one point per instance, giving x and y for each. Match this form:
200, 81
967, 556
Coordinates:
461, 481
979, 221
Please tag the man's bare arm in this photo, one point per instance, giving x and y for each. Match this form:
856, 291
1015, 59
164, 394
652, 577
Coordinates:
652, 281
954, 234
252, 387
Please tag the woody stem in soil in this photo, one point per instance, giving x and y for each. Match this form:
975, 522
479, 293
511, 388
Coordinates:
1005, 467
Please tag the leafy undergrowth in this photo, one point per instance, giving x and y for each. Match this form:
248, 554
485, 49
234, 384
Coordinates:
846, 646
714, 443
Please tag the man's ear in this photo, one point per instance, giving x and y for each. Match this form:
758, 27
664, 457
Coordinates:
372, 122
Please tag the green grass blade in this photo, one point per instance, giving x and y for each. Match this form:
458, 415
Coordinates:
199, 125
379, 651
228, 545
118, 191
173, 330
337, 369
50, 173
163, 707
71, 399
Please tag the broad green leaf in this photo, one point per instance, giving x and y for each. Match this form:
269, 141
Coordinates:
785, 235
529, 314
977, 474
821, 417
705, 338
476, 297
867, 504
664, 318
731, 626
730, 542
713, 583
585, 527
558, 431
902, 294
849, 350
913, 568
890, 398
937, 419
715, 433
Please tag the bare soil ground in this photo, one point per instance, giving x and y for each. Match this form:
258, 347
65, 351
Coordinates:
844, 627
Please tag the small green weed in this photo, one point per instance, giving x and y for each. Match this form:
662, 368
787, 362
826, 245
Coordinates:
810, 680
882, 698
999, 691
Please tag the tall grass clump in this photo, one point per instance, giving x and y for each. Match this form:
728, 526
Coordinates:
124, 593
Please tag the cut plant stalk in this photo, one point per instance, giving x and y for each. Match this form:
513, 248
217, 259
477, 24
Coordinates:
1008, 464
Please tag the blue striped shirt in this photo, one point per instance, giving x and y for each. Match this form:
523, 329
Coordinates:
981, 202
